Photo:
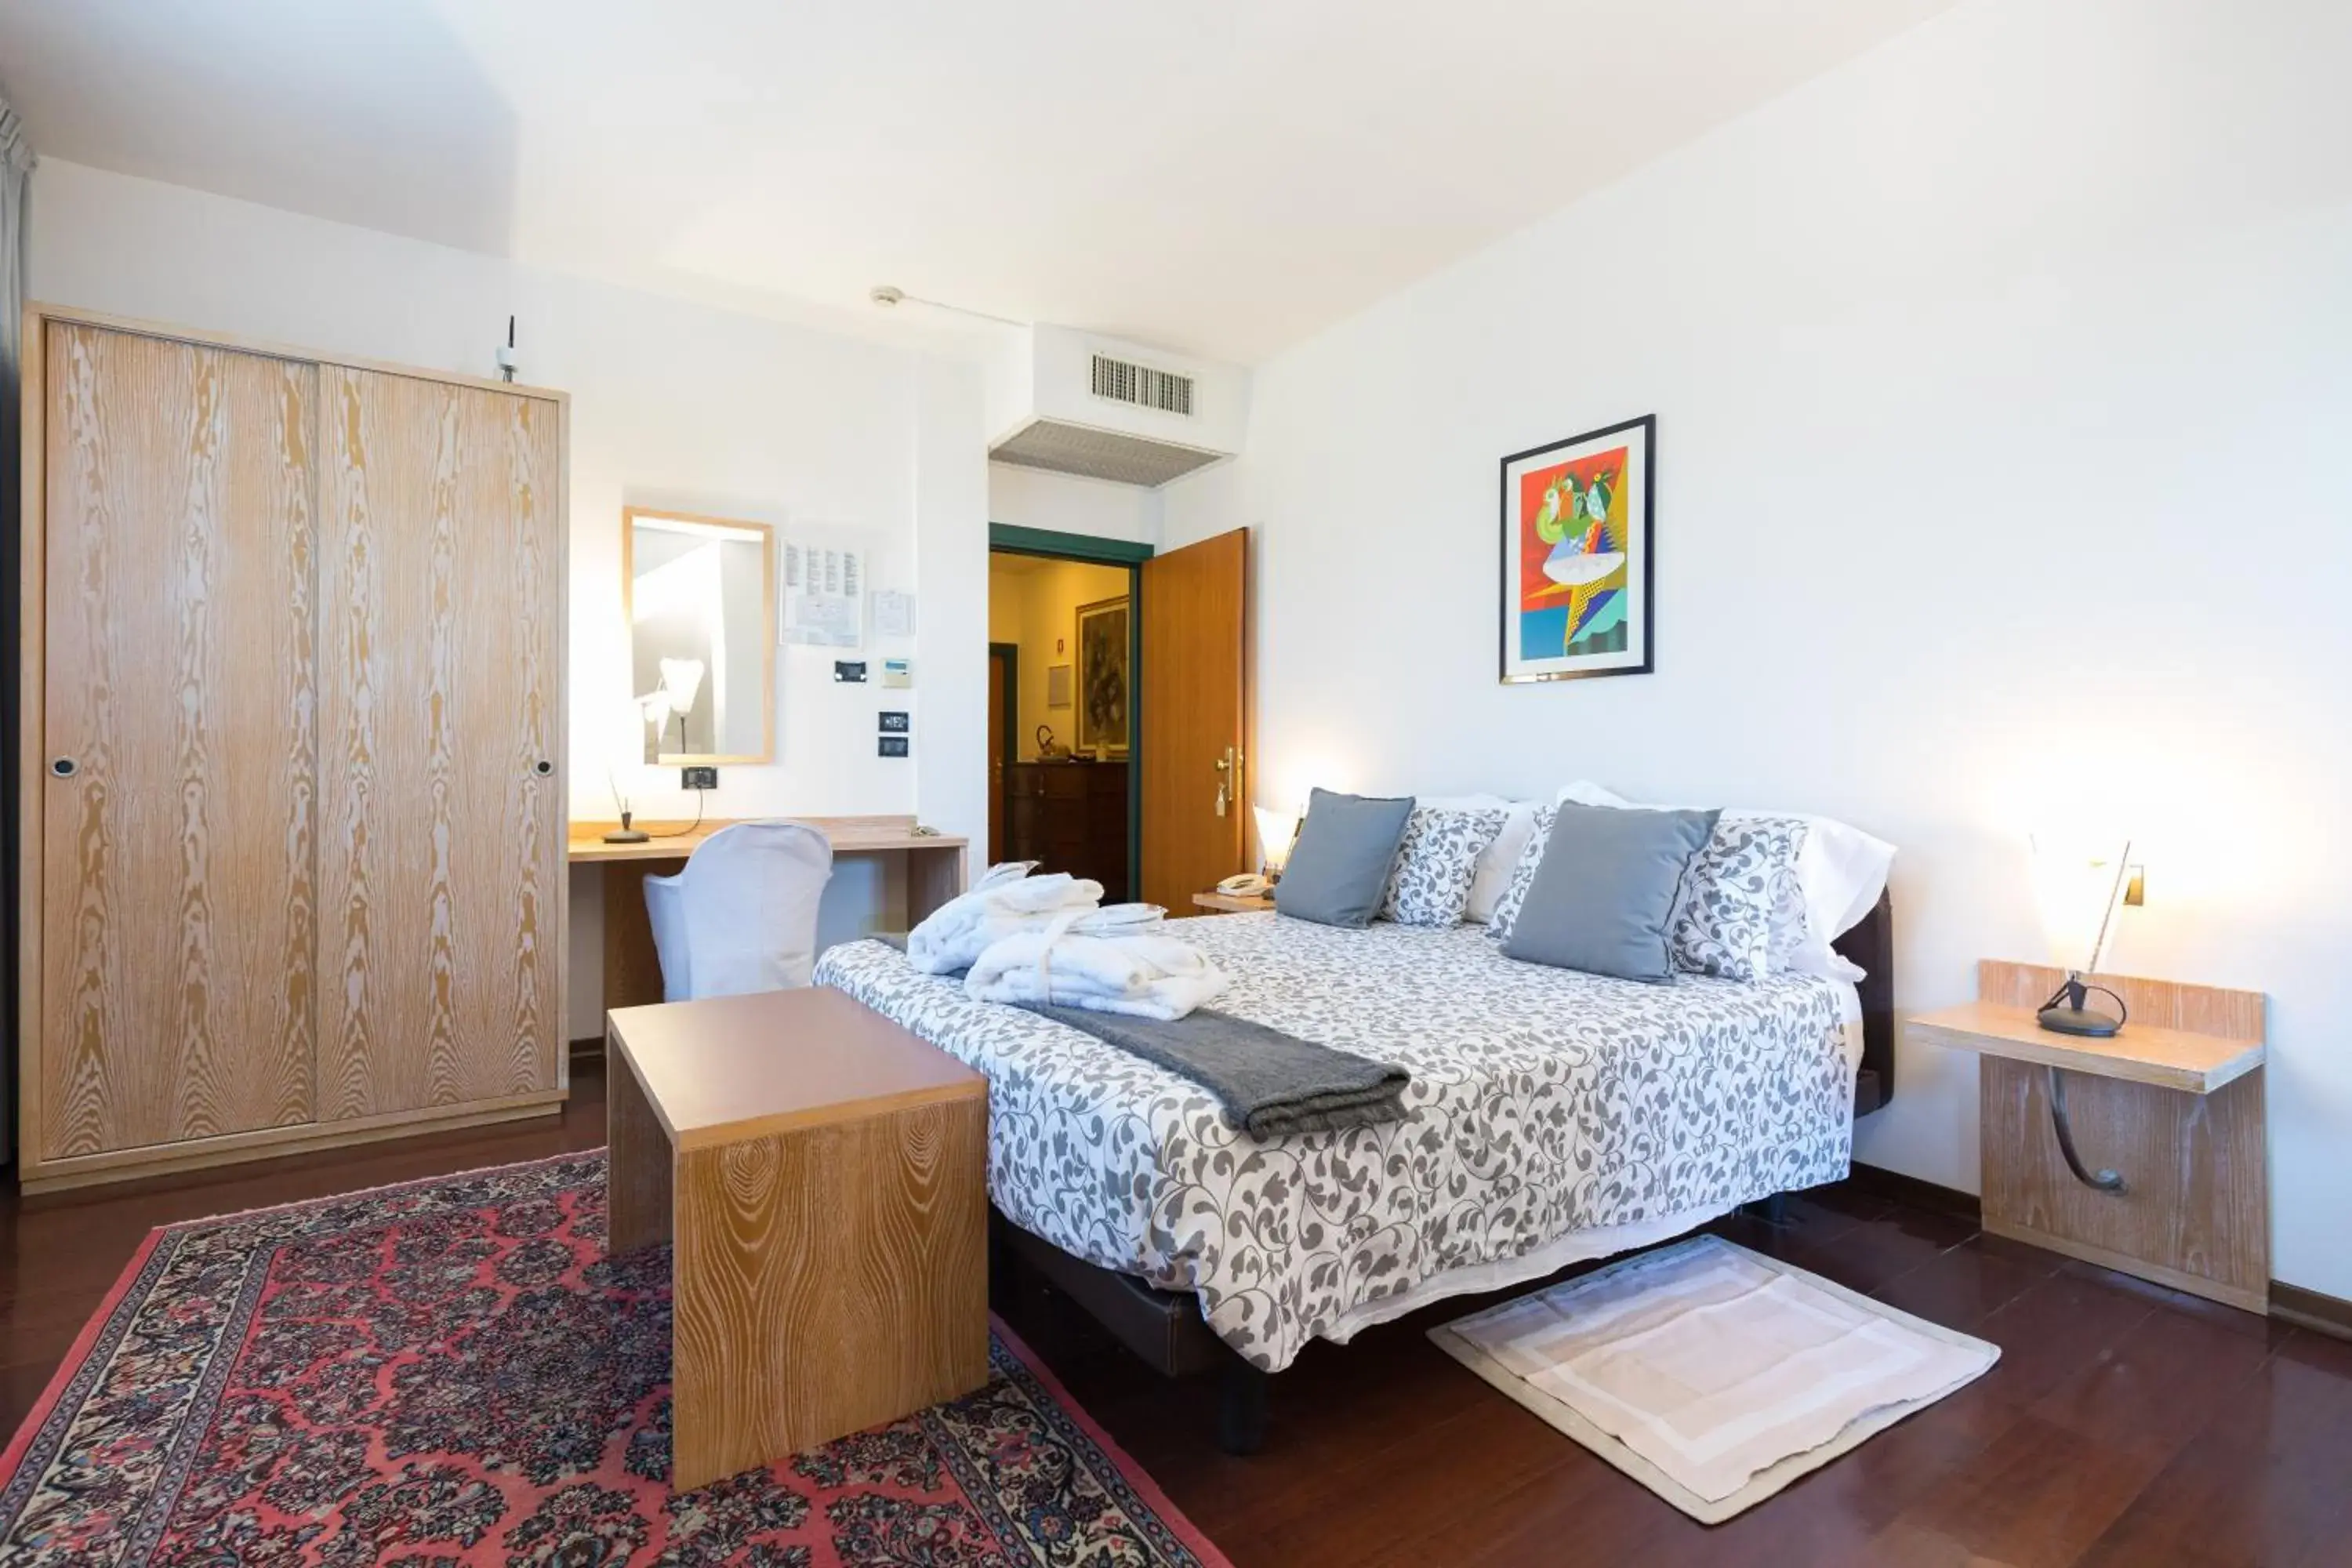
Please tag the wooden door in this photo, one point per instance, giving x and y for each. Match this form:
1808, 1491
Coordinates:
441, 847
998, 697
1195, 703
179, 764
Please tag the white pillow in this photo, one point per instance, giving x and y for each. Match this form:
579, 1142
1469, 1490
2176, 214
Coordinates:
1496, 861
1841, 871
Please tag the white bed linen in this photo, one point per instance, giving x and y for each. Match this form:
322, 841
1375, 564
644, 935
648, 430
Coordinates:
1545, 1103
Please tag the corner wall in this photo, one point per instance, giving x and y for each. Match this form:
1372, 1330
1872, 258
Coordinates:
2002, 379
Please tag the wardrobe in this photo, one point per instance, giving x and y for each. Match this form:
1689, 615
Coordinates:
293, 751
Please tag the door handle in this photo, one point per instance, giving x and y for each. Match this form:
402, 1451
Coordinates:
63, 767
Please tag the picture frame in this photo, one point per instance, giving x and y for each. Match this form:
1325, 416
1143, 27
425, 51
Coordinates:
1058, 686
1106, 687
1578, 583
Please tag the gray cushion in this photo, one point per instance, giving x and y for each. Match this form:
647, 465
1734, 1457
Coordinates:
1339, 869
1602, 896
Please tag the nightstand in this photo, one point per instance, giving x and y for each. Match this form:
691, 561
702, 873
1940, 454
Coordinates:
1230, 904
2142, 1153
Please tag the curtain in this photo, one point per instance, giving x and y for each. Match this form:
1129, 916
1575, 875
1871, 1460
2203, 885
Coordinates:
15, 165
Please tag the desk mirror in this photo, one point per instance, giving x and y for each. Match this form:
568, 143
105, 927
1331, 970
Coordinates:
701, 600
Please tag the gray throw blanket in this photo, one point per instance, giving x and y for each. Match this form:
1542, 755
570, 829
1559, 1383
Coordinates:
1269, 1083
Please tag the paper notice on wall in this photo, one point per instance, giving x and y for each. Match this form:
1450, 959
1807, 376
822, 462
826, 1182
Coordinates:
894, 614
824, 595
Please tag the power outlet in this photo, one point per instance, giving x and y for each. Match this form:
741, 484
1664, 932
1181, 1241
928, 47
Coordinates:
697, 778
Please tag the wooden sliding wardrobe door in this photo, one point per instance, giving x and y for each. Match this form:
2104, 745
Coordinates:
178, 764
441, 777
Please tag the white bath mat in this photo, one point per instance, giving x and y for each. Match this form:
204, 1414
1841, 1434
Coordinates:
1710, 1375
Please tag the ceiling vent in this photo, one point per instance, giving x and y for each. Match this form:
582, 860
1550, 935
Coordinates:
1100, 453
1076, 403
1124, 380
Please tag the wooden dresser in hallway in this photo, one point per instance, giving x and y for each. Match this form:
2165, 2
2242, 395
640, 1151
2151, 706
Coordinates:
1070, 817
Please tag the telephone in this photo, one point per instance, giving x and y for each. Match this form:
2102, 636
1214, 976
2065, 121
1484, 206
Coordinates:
1247, 885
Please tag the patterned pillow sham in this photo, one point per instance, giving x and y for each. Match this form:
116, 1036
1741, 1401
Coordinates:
1523, 876
1732, 918
1436, 864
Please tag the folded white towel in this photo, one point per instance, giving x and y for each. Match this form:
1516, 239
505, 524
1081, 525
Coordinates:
1008, 900
950, 951
1144, 976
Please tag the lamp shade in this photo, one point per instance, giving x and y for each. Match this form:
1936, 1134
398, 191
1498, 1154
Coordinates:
2080, 880
681, 679
1276, 831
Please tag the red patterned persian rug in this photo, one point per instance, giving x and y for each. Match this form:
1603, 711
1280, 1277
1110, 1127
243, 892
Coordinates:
453, 1372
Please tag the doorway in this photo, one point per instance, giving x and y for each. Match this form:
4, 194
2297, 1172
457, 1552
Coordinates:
1090, 744
1063, 678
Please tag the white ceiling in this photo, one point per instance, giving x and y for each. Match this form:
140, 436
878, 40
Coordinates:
1222, 177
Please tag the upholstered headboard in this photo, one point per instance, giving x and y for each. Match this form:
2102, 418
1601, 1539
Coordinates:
1871, 944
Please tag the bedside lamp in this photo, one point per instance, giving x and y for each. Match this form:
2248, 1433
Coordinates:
1277, 832
2081, 884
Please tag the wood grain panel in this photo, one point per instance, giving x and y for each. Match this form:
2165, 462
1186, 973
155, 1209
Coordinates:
2144, 1052
935, 873
676, 840
441, 850
2170, 1003
272, 1143
176, 869
638, 1159
2196, 1201
826, 1280
1195, 680
633, 975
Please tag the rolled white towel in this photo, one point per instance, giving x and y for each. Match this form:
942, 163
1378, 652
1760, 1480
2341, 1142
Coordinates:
956, 951
958, 931
1145, 976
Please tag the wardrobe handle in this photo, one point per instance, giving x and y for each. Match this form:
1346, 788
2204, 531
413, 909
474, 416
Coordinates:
542, 767
63, 767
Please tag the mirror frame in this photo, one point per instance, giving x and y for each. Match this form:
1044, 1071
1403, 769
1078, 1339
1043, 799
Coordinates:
629, 519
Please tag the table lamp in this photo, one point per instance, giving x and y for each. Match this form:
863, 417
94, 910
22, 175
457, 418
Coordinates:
2081, 884
1277, 832
633, 716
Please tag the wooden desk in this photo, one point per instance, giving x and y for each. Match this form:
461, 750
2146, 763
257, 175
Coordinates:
822, 1177
2173, 1104
934, 861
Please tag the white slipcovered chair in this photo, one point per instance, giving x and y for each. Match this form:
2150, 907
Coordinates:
742, 916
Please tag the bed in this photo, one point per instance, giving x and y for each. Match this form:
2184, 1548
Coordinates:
1553, 1116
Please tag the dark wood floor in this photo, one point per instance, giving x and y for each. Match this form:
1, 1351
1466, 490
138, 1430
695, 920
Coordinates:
2124, 1424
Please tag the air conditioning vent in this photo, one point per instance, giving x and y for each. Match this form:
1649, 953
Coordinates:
1123, 381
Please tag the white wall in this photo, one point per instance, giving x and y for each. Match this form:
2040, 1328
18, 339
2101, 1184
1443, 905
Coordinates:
673, 405
1071, 503
2003, 381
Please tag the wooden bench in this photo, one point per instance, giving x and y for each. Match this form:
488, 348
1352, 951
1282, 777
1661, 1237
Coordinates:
822, 1177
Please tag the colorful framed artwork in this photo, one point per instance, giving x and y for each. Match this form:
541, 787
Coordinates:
1578, 586
1103, 696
